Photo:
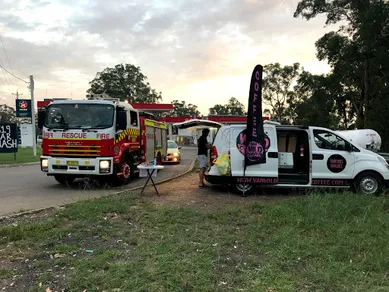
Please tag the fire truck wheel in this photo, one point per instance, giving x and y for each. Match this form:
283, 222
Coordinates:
126, 171
131, 164
63, 179
117, 180
127, 168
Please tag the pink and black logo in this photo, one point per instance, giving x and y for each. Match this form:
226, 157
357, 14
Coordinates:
255, 151
336, 163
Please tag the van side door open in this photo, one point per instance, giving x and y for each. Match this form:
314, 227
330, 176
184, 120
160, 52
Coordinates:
333, 158
294, 155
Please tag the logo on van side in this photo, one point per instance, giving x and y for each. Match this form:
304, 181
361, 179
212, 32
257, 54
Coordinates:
255, 151
336, 163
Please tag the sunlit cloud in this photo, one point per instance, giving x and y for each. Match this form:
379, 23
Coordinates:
200, 51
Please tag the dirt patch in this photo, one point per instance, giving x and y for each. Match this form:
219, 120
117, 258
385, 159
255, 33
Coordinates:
29, 217
185, 191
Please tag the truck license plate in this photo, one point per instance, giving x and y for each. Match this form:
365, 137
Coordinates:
72, 162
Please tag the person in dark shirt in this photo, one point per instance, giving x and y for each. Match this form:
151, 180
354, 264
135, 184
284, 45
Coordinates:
202, 155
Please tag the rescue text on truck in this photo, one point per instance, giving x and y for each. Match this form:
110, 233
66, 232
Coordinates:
100, 137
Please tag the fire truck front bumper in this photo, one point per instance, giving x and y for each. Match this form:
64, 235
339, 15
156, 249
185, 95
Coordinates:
77, 166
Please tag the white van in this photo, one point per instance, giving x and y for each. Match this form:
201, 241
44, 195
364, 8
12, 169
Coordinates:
298, 156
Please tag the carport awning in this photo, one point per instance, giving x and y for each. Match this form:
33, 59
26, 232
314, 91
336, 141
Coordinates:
197, 123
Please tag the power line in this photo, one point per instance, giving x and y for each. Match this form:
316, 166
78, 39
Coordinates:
9, 63
1, 66
6, 78
6, 54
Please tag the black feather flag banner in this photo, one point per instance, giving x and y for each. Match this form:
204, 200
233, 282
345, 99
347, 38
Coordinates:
255, 145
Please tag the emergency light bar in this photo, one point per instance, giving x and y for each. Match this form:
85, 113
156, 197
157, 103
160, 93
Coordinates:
101, 96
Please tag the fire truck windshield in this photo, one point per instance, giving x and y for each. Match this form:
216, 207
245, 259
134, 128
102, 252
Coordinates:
79, 116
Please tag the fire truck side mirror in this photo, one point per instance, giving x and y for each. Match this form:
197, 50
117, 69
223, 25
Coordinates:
121, 120
41, 118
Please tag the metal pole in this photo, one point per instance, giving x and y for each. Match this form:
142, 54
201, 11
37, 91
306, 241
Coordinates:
17, 94
33, 116
170, 131
18, 124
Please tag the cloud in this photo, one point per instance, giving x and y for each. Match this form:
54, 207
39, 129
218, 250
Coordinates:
188, 49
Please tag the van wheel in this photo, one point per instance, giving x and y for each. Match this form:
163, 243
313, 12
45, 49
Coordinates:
243, 189
368, 183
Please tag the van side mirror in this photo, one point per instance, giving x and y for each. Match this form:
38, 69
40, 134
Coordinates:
179, 147
121, 120
41, 118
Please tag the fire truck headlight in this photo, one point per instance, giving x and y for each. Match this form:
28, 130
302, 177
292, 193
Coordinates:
104, 166
44, 164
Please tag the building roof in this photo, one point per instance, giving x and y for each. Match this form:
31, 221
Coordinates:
153, 107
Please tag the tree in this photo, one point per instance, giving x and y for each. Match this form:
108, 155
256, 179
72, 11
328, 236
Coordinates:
234, 107
341, 95
125, 82
315, 105
219, 109
357, 52
278, 92
7, 114
180, 108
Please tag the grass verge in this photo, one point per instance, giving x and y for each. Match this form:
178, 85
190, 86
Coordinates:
23, 155
196, 164
123, 243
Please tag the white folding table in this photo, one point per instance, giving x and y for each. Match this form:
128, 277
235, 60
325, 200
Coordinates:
150, 173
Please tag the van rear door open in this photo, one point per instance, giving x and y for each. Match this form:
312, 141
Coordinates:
266, 170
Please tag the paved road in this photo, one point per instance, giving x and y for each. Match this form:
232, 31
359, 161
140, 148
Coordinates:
27, 188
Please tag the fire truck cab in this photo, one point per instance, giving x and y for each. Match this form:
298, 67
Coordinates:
100, 137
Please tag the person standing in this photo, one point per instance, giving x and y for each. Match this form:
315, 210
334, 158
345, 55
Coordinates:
202, 155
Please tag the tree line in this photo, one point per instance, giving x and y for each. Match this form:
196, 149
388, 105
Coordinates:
127, 82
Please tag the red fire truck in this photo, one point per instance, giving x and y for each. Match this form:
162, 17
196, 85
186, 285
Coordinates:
100, 136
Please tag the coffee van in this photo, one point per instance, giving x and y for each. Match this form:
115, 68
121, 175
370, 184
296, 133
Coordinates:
298, 157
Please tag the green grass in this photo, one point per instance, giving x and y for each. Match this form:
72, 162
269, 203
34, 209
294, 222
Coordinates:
333, 242
196, 164
23, 155
5, 273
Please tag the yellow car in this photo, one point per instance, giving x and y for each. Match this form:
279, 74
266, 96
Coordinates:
173, 152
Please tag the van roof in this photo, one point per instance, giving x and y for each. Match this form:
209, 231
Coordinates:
265, 122
276, 124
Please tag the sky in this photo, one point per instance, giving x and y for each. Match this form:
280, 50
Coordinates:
199, 51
